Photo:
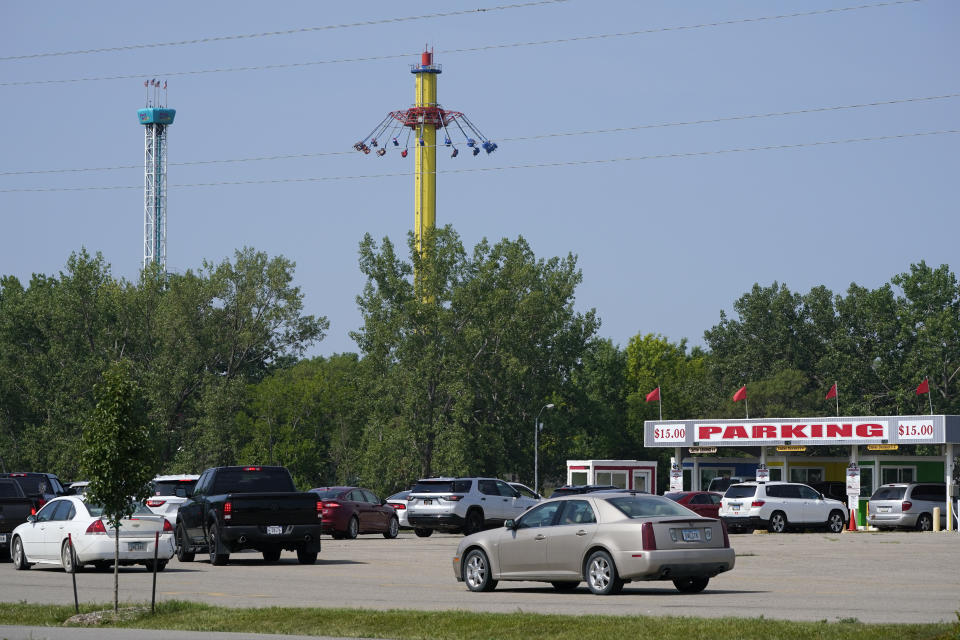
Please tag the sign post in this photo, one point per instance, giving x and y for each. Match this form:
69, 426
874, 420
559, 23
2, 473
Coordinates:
853, 493
763, 474
676, 478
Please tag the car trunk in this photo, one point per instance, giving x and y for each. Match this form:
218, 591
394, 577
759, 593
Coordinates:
685, 533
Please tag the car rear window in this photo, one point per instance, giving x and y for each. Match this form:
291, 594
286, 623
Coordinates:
10, 489
673, 496
442, 486
889, 493
252, 480
173, 487
33, 485
741, 491
326, 494
648, 506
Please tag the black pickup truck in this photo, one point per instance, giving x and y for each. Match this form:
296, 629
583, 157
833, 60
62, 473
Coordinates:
234, 508
15, 506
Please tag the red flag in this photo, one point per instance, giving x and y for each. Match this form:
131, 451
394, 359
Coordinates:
832, 393
741, 394
924, 387
653, 395
164, 85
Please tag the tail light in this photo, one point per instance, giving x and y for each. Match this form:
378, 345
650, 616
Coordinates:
726, 536
399, 506
452, 498
757, 503
167, 527
156, 503
330, 505
227, 510
33, 511
96, 527
905, 506
647, 537
251, 468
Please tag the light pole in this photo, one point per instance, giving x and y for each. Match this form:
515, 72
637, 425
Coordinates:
536, 447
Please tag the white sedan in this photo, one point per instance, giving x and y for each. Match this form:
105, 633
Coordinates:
44, 538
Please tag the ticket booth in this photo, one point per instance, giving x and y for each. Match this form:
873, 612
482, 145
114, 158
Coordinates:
640, 475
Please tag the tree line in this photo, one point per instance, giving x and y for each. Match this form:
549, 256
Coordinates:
458, 352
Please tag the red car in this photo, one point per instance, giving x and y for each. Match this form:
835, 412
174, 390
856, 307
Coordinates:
348, 511
706, 503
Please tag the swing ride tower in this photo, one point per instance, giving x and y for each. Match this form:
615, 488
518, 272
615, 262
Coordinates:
425, 155
155, 119
421, 122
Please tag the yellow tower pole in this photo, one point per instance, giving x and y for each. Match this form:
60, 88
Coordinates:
425, 154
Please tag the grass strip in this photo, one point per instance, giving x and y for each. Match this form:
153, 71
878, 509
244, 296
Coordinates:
464, 625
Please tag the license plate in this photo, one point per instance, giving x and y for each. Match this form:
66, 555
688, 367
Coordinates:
883, 509
3, 538
428, 501
734, 507
136, 546
691, 535
274, 531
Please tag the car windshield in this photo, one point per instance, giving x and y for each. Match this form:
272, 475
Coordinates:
173, 487
399, 496
326, 494
740, 491
647, 506
441, 486
889, 493
674, 496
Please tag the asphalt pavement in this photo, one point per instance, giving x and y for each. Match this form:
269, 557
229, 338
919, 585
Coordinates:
872, 577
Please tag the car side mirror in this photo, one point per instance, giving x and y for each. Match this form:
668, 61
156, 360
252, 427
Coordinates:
31, 518
188, 493
510, 524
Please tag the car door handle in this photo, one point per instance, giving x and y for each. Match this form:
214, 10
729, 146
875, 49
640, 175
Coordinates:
539, 536
581, 532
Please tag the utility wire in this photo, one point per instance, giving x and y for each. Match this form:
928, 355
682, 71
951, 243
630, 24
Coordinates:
513, 139
292, 65
569, 163
285, 32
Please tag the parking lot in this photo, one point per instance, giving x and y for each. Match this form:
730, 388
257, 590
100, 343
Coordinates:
873, 577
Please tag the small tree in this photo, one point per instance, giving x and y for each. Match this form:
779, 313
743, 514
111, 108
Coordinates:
117, 454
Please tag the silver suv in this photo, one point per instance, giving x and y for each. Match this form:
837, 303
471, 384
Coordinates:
463, 504
907, 505
777, 506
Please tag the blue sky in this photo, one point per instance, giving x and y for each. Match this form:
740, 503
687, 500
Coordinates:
665, 243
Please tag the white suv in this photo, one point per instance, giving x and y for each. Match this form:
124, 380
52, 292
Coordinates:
776, 506
463, 504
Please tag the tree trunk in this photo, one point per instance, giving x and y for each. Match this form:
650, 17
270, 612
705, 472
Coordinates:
116, 569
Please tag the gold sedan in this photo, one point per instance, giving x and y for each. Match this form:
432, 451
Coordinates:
607, 539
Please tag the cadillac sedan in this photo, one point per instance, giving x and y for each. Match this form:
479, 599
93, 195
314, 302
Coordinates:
45, 537
607, 539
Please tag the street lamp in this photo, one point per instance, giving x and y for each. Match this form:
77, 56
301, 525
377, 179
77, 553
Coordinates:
536, 447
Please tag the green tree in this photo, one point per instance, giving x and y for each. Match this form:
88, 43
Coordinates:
117, 454
464, 355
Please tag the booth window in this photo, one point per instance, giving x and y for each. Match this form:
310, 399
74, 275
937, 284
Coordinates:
709, 473
891, 474
578, 477
806, 475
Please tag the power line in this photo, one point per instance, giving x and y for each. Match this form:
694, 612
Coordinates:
293, 65
569, 163
517, 138
285, 32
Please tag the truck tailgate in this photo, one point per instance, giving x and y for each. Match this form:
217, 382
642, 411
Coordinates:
271, 509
